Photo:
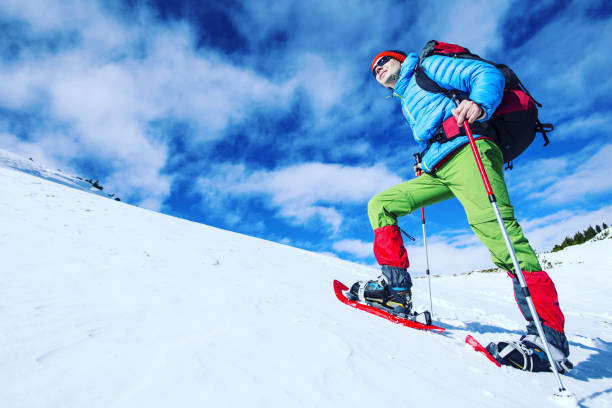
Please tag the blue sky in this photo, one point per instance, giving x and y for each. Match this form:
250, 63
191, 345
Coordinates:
263, 117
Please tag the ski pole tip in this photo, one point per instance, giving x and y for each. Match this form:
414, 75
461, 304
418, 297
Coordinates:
565, 398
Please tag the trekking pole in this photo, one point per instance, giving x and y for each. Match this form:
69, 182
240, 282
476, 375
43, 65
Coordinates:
417, 159
519, 273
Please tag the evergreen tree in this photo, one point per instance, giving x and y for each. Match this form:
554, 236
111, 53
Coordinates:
578, 238
589, 233
567, 242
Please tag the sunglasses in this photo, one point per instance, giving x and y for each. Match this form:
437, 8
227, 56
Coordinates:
382, 61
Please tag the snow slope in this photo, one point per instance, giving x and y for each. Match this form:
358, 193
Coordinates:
107, 305
13, 161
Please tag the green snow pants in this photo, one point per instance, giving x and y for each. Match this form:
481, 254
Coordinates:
459, 177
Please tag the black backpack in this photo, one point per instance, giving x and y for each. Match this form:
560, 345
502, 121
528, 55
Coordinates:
514, 123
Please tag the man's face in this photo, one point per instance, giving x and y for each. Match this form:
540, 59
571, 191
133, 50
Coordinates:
387, 74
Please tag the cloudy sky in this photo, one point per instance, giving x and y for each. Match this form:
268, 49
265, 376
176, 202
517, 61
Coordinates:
263, 117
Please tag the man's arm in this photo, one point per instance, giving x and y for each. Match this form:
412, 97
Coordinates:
480, 80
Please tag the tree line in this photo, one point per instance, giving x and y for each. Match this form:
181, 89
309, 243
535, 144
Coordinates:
580, 237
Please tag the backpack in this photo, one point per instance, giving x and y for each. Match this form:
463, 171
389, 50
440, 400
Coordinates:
514, 123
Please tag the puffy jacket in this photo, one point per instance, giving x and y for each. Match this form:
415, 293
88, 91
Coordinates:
425, 111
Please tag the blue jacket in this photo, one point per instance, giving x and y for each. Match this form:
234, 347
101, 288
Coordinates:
425, 111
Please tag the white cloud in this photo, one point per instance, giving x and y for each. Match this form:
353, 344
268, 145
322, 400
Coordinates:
324, 81
474, 25
354, 247
302, 192
568, 90
572, 180
310, 183
582, 127
51, 15
575, 178
302, 215
35, 151
448, 258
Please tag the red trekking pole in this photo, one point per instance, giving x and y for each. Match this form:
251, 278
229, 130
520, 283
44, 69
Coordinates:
518, 271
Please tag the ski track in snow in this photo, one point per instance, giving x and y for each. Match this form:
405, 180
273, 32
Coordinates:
108, 305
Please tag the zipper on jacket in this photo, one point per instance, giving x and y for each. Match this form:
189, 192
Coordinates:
404, 107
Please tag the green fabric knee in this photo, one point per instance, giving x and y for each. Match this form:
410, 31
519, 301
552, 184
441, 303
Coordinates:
490, 235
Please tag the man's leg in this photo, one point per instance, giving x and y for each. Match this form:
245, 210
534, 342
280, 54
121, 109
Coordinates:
465, 182
385, 207
541, 287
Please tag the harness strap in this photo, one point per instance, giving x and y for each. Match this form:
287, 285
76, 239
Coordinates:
449, 130
544, 128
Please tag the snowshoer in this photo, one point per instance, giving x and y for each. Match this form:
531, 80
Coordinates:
449, 170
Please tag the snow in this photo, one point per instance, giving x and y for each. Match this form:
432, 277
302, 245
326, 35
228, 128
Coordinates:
103, 304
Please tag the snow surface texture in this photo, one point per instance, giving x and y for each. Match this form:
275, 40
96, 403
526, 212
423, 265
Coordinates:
103, 304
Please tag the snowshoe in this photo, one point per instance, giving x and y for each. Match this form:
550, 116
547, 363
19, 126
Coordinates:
527, 354
421, 321
396, 300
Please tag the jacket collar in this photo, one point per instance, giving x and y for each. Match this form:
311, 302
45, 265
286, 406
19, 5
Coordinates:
406, 72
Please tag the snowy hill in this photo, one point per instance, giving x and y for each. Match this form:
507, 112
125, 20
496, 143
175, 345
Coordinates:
13, 161
108, 305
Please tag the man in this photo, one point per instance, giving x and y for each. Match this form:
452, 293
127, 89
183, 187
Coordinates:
449, 170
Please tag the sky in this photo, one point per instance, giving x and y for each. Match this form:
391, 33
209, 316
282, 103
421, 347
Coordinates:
264, 118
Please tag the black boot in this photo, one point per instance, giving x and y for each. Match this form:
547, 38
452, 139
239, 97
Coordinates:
528, 354
391, 290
